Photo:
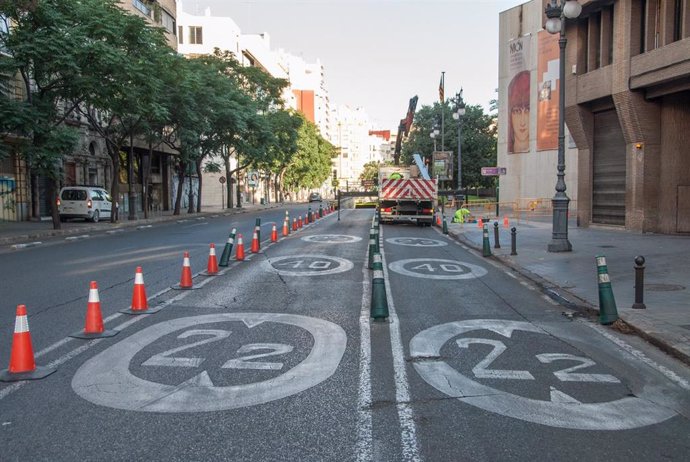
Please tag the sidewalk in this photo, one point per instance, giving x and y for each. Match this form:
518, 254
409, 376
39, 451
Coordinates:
571, 277
27, 233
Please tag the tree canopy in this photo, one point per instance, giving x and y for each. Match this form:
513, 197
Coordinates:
479, 138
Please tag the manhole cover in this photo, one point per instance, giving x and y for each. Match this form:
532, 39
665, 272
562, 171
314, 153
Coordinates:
663, 287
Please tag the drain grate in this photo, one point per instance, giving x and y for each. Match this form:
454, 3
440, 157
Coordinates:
606, 246
663, 287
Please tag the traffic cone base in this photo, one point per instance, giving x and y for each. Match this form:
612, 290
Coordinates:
93, 327
149, 310
22, 365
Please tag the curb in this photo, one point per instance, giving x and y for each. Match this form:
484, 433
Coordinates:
577, 304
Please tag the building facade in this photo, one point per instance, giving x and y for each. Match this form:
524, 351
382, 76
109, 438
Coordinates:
627, 111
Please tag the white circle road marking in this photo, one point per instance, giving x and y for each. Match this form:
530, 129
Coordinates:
106, 380
562, 411
454, 269
331, 238
308, 265
416, 242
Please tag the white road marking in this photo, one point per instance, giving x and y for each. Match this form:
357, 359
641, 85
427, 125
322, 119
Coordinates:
668, 373
75, 238
550, 300
106, 380
510, 273
450, 269
364, 416
622, 414
313, 265
416, 242
408, 429
331, 238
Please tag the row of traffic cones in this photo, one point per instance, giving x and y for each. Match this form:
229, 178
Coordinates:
22, 364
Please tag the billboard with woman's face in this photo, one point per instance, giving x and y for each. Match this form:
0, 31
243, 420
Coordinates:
519, 95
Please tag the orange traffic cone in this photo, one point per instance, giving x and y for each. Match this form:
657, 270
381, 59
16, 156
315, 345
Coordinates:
22, 364
506, 223
255, 243
480, 223
299, 222
212, 266
93, 327
438, 219
286, 231
140, 304
274, 234
186, 276
239, 254
294, 224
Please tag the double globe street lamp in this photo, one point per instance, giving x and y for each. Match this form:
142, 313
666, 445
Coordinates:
457, 115
557, 12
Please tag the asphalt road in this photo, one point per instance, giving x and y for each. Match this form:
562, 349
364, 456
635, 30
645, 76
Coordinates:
277, 359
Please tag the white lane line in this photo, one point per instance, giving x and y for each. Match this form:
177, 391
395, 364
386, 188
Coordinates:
668, 373
408, 429
509, 273
550, 300
364, 417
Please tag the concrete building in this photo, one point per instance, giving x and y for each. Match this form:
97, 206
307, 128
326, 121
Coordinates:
627, 110
352, 139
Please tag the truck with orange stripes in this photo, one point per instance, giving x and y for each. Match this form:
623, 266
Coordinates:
404, 195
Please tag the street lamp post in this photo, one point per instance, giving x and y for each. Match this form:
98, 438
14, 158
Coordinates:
434, 134
557, 12
457, 115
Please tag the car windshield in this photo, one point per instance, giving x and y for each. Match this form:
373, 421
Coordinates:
73, 195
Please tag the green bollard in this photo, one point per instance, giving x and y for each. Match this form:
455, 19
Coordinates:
257, 228
320, 211
445, 225
372, 250
486, 247
310, 218
227, 250
374, 233
379, 302
608, 313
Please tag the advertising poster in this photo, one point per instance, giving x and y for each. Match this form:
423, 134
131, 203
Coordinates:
547, 91
519, 94
443, 165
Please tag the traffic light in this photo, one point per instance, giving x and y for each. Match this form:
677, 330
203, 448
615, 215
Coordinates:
335, 174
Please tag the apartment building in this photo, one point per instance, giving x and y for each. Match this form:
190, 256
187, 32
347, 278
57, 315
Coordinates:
627, 111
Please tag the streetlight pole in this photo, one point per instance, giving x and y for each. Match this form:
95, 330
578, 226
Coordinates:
443, 107
557, 13
457, 115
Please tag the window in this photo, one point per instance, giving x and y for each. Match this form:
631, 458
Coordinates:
180, 40
677, 20
195, 35
141, 6
168, 22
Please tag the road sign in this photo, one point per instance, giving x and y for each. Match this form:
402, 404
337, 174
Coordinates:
557, 410
493, 171
221, 179
253, 178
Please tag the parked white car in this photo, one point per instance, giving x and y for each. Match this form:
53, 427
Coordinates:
87, 202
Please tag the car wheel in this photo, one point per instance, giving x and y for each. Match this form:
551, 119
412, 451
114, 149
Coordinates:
95, 216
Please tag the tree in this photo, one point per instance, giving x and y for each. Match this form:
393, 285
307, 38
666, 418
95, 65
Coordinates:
41, 42
370, 172
311, 165
479, 138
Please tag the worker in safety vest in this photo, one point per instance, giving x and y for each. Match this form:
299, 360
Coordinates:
462, 215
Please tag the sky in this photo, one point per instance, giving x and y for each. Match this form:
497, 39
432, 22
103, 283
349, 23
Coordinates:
378, 54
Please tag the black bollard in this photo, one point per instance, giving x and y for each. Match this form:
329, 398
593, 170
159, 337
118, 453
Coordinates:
497, 244
639, 283
513, 241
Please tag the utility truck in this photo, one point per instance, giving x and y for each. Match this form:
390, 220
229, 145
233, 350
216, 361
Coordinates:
406, 194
